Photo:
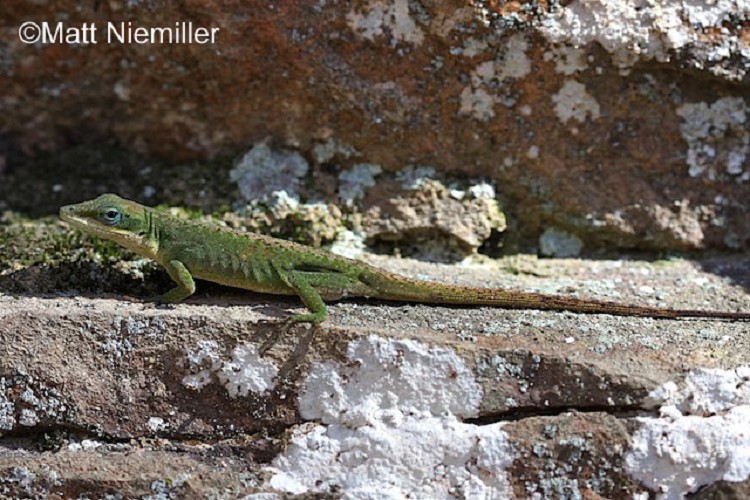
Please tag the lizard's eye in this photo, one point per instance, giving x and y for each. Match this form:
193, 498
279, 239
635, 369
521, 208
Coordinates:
111, 216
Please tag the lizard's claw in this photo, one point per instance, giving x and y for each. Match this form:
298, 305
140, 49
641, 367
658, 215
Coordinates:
310, 318
161, 304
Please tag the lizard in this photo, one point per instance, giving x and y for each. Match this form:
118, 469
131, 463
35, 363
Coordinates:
191, 249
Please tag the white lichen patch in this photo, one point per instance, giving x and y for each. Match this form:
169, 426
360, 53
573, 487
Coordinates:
390, 374
631, 30
625, 28
85, 445
261, 172
477, 103
429, 457
514, 63
284, 204
390, 428
555, 242
705, 391
483, 191
354, 182
473, 47
568, 60
157, 424
247, 372
202, 362
326, 151
573, 102
122, 90
479, 98
375, 18
24, 482
718, 137
165, 488
479, 191
349, 244
702, 435
413, 177
25, 401
7, 413
28, 418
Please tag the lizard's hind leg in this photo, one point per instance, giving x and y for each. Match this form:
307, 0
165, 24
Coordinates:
313, 287
300, 283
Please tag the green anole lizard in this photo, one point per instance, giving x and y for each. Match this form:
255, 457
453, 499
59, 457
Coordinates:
260, 263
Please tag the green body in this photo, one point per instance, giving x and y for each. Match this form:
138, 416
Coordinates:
193, 249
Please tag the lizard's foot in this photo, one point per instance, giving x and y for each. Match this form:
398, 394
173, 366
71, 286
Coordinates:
313, 319
269, 322
159, 302
163, 305
175, 295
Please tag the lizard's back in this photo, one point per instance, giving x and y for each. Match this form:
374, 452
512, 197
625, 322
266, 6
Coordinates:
241, 259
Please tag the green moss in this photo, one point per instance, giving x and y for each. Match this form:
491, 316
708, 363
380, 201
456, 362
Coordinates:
45, 256
26, 242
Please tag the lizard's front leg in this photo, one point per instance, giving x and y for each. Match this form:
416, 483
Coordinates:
185, 284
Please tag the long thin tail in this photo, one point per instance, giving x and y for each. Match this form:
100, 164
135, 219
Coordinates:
391, 286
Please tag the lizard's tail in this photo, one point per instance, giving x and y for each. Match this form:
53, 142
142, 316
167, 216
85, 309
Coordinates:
394, 287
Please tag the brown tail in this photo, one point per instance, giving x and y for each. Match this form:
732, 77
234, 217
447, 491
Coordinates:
394, 287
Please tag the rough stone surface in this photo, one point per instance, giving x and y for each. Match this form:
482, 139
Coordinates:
723, 490
418, 211
106, 396
623, 123
436, 129
131, 470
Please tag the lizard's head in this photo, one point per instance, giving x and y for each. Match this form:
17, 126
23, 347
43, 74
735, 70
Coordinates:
113, 218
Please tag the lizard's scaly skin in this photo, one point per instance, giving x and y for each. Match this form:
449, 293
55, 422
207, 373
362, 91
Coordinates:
260, 263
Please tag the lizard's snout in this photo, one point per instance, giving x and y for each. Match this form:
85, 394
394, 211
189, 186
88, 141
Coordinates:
66, 210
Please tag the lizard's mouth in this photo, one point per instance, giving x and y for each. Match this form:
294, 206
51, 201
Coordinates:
88, 226
82, 223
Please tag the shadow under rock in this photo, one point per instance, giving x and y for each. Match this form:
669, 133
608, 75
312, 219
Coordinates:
79, 277
735, 268
89, 279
